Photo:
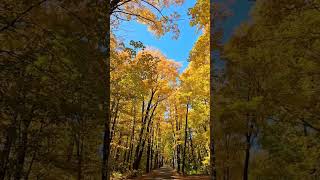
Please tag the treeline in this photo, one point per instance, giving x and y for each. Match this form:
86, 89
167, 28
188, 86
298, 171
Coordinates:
265, 122
54, 82
141, 81
51, 91
267, 102
266, 96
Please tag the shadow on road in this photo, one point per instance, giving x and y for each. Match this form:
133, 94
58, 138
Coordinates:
168, 173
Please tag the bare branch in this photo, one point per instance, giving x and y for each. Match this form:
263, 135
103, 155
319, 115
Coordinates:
136, 15
74, 15
115, 6
21, 15
310, 125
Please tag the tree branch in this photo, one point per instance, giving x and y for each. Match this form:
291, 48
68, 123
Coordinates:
21, 15
137, 15
114, 4
155, 8
311, 126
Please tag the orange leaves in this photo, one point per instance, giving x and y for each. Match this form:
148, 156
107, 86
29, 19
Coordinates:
149, 70
156, 71
150, 13
200, 14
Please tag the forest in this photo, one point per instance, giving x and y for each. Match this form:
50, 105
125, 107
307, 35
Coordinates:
77, 102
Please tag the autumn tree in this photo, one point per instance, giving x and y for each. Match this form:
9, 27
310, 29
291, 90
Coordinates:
269, 85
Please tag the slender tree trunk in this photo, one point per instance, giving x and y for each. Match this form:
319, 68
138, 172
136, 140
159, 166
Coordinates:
148, 156
185, 139
140, 150
4, 156
132, 135
34, 154
21, 156
22, 149
174, 142
79, 157
114, 121
151, 150
178, 145
141, 143
247, 158
192, 150
248, 146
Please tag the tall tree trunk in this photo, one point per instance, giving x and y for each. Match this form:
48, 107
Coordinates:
140, 150
129, 159
79, 157
185, 139
213, 171
23, 147
174, 142
151, 150
34, 154
178, 145
21, 155
247, 158
248, 146
148, 155
114, 122
141, 143
4, 156
105, 173
192, 150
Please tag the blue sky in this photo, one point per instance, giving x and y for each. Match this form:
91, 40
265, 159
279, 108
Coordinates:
179, 49
241, 11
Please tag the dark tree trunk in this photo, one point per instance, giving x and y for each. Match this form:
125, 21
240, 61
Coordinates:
213, 171
178, 145
151, 151
113, 128
192, 150
148, 156
141, 143
105, 173
4, 156
248, 146
174, 142
23, 147
26, 176
21, 155
79, 157
140, 150
247, 158
185, 139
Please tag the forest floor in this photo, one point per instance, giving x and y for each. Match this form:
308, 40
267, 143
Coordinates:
166, 172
